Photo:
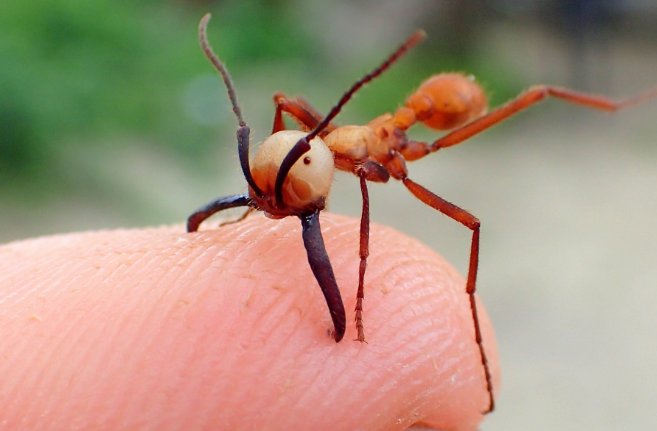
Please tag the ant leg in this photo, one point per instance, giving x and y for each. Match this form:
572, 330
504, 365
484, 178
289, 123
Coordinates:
471, 222
299, 109
220, 204
370, 170
364, 251
527, 99
248, 211
323, 271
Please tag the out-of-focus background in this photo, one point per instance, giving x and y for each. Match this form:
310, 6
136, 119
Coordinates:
110, 116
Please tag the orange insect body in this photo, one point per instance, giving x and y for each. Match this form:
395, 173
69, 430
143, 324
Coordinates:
443, 101
448, 100
291, 172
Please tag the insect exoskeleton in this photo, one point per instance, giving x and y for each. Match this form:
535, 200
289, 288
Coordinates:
353, 144
448, 100
287, 178
307, 184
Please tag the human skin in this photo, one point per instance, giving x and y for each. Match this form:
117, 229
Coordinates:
227, 329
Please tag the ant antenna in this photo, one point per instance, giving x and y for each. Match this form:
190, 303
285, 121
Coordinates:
243, 131
303, 145
214, 59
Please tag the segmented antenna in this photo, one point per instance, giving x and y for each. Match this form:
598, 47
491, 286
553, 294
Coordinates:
303, 145
243, 130
214, 59
413, 40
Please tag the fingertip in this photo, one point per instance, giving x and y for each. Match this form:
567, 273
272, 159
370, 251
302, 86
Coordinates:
418, 325
228, 325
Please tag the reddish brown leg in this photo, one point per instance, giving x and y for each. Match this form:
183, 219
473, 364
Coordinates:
248, 211
364, 252
472, 223
527, 99
299, 109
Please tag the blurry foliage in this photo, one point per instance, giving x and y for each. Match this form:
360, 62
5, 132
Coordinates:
91, 89
78, 73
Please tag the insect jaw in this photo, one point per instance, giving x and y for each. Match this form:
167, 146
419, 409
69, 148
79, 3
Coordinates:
274, 210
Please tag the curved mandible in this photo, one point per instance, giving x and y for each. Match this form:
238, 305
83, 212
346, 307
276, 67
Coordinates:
321, 267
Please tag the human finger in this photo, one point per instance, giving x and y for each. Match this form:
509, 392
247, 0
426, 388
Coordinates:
227, 329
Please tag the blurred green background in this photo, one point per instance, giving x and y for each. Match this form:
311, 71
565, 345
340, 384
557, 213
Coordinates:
110, 116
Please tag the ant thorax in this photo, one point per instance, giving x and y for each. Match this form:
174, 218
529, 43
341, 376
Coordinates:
350, 145
307, 184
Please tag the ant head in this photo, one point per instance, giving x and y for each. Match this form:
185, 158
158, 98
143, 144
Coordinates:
306, 185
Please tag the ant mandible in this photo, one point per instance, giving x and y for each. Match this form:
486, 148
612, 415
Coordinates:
376, 151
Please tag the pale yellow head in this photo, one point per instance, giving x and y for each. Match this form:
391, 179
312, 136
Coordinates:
307, 184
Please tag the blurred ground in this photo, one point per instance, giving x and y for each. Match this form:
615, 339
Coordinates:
567, 200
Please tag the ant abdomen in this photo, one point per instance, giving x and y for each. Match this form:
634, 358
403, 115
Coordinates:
448, 100
307, 184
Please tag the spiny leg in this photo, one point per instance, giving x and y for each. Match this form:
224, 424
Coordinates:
471, 222
363, 252
370, 170
220, 204
527, 99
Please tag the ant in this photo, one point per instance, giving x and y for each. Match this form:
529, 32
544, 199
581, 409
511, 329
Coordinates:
376, 151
